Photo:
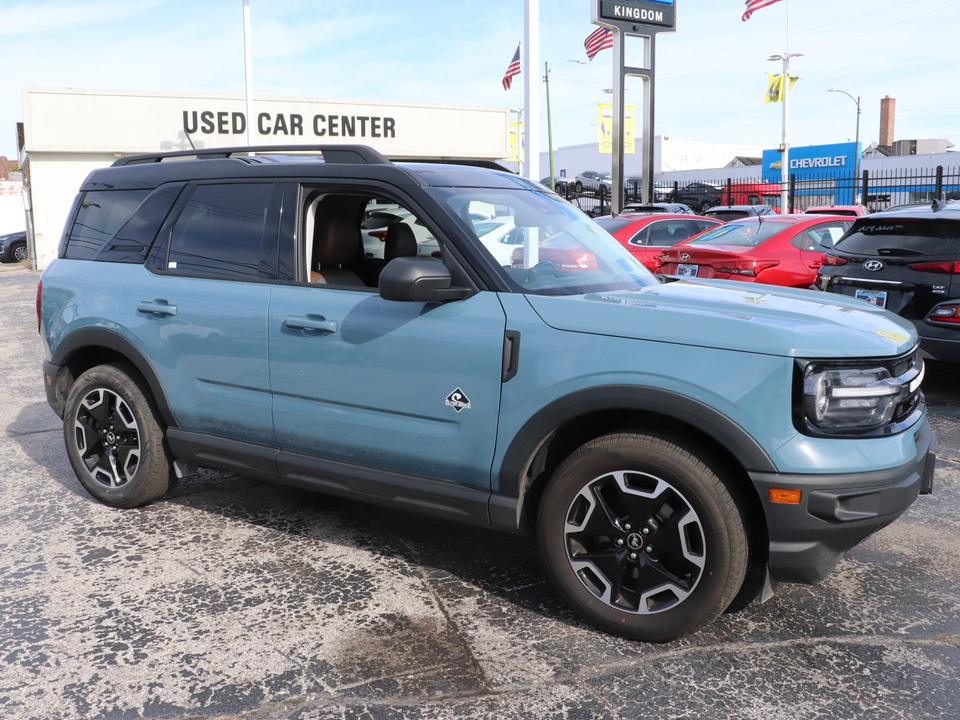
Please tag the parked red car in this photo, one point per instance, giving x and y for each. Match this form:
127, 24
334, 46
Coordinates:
645, 235
782, 250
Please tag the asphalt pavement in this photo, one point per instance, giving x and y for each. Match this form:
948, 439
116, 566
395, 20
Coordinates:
235, 598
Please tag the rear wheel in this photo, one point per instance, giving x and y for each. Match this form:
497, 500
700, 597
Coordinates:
642, 538
578, 188
113, 438
19, 252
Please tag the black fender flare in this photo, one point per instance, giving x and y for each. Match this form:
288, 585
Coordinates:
88, 337
699, 415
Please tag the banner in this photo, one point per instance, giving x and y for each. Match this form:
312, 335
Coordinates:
605, 129
516, 131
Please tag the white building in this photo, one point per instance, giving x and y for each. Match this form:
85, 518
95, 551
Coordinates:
68, 133
668, 155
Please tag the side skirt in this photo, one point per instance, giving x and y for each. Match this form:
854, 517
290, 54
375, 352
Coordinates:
431, 496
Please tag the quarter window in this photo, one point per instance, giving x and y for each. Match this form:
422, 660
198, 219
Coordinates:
220, 231
100, 214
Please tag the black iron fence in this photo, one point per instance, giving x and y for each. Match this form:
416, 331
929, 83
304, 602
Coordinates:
876, 189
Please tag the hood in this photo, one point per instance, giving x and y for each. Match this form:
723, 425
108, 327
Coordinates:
729, 315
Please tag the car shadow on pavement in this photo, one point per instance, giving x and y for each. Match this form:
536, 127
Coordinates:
456, 560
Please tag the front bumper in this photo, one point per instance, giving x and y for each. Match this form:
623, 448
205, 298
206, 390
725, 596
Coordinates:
836, 512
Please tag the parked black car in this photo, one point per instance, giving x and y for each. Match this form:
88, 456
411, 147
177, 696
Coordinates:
907, 261
737, 212
698, 195
13, 247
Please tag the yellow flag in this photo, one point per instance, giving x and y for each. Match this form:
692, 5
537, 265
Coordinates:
775, 88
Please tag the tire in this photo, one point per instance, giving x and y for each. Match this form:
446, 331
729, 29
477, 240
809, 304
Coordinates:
706, 205
578, 188
19, 252
642, 538
114, 441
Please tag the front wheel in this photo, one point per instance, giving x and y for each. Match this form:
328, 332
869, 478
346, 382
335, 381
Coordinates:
642, 537
113, 438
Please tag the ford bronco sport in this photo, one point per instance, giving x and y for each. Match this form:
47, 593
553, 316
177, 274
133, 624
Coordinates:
677, 448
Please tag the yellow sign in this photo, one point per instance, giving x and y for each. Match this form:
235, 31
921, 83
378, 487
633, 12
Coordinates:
605, 129
516, 139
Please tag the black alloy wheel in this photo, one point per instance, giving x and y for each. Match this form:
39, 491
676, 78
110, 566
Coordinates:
114, 441
642, 537
635, 542
107, 438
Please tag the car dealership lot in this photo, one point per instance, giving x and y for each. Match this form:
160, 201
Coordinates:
237, 598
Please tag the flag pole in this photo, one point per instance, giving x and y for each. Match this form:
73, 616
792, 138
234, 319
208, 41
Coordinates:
248, 69
785, 159
531, 87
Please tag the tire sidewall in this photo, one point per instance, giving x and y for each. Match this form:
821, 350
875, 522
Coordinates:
147, 483
722, 573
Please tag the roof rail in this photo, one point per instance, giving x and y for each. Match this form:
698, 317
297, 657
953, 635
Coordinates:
347, 154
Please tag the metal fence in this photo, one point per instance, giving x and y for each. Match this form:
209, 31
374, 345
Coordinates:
877, 190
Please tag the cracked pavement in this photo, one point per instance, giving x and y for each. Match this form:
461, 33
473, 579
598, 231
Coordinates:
235, 598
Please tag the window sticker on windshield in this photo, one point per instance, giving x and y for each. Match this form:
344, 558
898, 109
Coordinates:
458, 400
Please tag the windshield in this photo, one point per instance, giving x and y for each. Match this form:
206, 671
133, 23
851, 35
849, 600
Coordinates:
743, 233
551, 248
604, 176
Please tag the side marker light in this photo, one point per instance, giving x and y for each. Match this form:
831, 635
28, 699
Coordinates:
784, 496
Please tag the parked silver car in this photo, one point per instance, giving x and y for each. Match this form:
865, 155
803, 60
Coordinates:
593, 181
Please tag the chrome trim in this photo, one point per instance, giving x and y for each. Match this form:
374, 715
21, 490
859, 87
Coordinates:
868, 281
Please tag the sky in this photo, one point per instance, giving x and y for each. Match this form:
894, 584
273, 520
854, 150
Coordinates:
711, 73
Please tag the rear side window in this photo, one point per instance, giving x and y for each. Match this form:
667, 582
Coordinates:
903, 237
220, 231
100, 215
131, 242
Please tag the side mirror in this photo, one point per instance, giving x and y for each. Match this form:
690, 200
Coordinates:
419, 279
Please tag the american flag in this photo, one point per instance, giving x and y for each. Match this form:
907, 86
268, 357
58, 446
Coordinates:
599, 39
754, 5
512, 69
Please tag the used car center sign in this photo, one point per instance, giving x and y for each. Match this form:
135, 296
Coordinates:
634, 12
96, 121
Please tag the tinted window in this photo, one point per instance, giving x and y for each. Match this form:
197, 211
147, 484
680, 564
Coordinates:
614, 224
220, 231
100, 214
131, 242
728, 215
903, 237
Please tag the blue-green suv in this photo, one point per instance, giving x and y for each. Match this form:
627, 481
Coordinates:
677, 447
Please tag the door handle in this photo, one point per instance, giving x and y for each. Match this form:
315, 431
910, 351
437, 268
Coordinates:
309, 323
159, 308
816, 265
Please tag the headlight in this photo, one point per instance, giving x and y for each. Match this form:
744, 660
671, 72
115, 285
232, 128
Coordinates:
849, 400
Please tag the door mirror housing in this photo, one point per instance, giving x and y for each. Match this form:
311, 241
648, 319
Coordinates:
419, 279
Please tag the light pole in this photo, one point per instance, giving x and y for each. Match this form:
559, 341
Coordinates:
856, 161
785, 144
546, 81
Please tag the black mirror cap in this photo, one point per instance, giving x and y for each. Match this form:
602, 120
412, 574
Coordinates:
419, 279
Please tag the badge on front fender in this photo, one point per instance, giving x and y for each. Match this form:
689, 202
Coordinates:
458, 400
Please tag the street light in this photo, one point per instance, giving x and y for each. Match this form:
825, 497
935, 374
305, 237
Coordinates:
546, 81
856, 162
785, 145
